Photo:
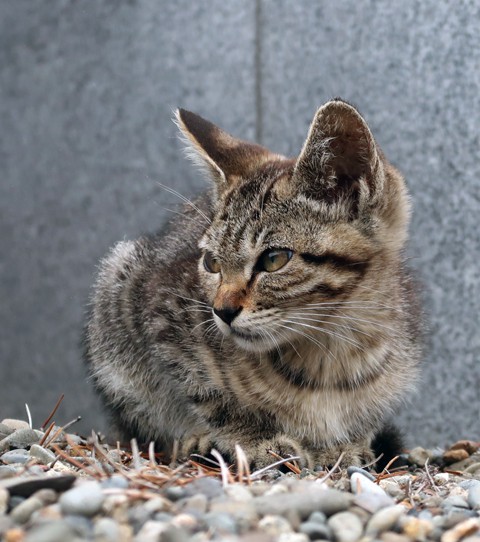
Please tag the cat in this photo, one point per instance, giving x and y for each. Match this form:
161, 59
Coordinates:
275, 313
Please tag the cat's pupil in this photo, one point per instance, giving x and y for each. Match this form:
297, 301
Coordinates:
273, 260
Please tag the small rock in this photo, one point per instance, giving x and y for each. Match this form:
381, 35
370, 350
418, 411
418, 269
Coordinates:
15, 456
393, 537
474, 468
41, 454
361, 484
293, 537
243, 512
6, 523
106, 530
454, 501
55, 531
15, 424
84, 500
419, 456
346, 527
21, 513
15, 534
220, 523
47, 496
372, 502
384, 520
393, 489
465, 528
441, 478
4, 498
26, 486
473, 498
415, 528
274, 525
467, 445
82, 526
5, 430
210, 487
453, 456
238, 493
195, 503
21, 438
151, 532
316, 531
47, 513
7, 471
157, 504
351, 470
313, 498
175, 493
185, 521
115, 482
317, 517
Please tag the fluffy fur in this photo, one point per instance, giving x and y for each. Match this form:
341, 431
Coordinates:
192, 339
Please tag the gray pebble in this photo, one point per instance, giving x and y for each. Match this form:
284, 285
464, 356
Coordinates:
7, 471
4, 498
474, 497
316, 531
317, 517
115, 482
238, 493
6, 523
21, 438
195, 503
292, 537
42, 455
346, 527
361, 484
393, 489
210, 487
82, 526
351, 470
106, 530
220, 523
243, 512
22, 513
384, 520
328, 501
84, 500
151, 532
175, 493
418, 456
54, 531
454, 501
15, 424
15, 456
372, 502
5, 430
273, 525
467, 484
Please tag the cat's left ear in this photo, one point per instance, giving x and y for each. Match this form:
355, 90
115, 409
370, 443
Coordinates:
340, 156
226, 158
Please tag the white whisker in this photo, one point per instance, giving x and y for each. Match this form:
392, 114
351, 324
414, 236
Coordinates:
186, 200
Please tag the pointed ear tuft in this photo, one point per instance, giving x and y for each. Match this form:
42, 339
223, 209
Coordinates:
227, 159
339, 153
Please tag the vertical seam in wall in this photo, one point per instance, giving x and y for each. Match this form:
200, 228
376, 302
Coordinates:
258, 72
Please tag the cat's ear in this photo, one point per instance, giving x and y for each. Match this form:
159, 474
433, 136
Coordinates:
225, 157
340, 156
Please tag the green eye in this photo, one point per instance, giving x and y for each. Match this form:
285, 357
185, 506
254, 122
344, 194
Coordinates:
273, 259
211, 264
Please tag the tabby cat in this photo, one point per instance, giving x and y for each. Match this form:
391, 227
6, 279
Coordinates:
275, 313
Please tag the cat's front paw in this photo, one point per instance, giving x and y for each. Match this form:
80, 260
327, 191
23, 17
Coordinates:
355, 454
282, 446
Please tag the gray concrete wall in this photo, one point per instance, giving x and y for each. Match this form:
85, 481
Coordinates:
87, 93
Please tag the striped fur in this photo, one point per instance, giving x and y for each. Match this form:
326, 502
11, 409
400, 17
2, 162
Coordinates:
308, 359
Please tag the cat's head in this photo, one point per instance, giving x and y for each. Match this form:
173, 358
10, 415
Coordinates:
290, 235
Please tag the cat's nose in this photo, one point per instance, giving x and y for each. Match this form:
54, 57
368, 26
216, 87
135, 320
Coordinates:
227, 314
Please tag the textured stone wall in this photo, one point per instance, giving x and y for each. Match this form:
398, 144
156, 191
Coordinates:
87, 93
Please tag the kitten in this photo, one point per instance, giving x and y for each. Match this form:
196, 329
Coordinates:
276, 313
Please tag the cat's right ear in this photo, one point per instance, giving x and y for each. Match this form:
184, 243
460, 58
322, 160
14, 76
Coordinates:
225, 158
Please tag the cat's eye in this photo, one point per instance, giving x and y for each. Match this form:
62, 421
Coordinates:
211, 264
273, 259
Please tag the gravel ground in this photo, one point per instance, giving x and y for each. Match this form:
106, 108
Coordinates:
57, 486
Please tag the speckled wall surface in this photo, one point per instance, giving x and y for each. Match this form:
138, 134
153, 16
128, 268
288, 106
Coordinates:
87, 93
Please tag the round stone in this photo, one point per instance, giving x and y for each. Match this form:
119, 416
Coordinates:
84, 500
15, 456
346, 527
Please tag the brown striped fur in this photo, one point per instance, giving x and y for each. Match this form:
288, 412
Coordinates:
308, 359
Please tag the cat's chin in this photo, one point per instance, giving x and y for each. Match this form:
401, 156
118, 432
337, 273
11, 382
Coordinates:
252, 344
